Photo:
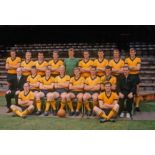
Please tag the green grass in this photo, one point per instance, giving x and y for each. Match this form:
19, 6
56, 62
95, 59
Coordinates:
48, 123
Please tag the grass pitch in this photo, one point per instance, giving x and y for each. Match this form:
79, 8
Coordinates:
53, 123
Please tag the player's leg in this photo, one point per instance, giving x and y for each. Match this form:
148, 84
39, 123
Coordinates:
16, 110
114, 111
122, 105
95, 101
79, 103
137, 99
63, 100
99, 112
69, 97
86, 98
28, 110
38, 97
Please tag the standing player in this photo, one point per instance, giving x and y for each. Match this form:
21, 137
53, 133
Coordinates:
34, 82
100, 63
55, 64
27, 64
108, 104
25, 102
134, 64
12, 63
41, 64
76, 91
71, 62
46, 87
116, 63
108, 77
92, 88
61, 87
85, 65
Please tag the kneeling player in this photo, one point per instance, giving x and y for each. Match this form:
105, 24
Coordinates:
108, 102
61, 85
46, 87
76, 91
25, 102
92, 87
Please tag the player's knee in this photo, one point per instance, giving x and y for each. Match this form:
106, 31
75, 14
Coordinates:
116, 107
95, 108
12, 107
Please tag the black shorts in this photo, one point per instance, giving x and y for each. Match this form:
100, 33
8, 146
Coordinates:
76, 92
45, 91
11, 77
92, 92
135, 78
60, 91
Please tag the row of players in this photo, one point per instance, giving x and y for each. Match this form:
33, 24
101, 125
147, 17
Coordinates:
77, 87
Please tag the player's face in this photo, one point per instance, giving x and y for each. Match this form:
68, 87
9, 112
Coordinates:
132, 53
48, 72
19, 72
71, 53
108, 88
55, 55
93, 71
116, 54
28, 56
76, 72
26, 87
13, 54
40, 56
125, 71
33, 71
108, 72
62, 71
100, 54
86, 55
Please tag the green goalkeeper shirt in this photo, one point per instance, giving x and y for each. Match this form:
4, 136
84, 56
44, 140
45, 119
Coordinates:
70, 64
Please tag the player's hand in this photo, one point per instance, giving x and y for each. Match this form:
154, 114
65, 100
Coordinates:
121, 95
130, 95
8, 92
17, 92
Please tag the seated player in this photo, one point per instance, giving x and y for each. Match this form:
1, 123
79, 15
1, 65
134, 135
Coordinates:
92, 88
116, 63
108, 77
41, 64
25, 102
27, 64
76, 91
61, 87
46, 88
55, 64
85, 65
12, 63
126, 89
34, 81
134, 64
108, 104
100, 63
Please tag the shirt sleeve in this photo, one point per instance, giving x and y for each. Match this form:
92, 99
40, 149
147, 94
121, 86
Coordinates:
20, 96
32, 96
100, 97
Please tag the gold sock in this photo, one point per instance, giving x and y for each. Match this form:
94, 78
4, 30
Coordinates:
103, 115
70, 105
47, 107
17, 112
53, 104
38, 105
95, 103
137, 100
25, 112
62, 105
78, 106
87, 106
111, 114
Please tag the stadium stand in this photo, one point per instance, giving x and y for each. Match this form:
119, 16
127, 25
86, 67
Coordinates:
145, 50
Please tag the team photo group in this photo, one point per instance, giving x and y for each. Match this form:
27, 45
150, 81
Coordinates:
97, 87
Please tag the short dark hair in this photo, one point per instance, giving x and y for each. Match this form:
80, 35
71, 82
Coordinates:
107, 83
108, 67
33, 67
40, 52
132, 49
